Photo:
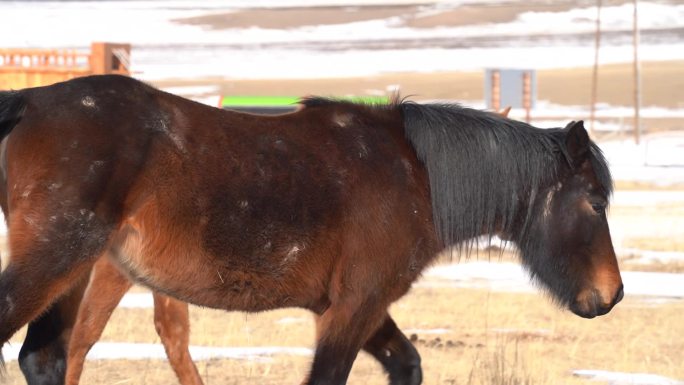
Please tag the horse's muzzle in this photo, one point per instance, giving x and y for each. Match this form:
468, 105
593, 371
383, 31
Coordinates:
593, 304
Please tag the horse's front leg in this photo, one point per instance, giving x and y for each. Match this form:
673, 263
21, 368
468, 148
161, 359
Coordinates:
106, 288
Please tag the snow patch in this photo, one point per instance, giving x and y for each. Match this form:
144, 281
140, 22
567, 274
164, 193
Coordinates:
143, 351
621, 378
511, 277
427, 331
163, 48
137, 301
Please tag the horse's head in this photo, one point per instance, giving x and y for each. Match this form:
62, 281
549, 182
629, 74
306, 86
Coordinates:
566, 243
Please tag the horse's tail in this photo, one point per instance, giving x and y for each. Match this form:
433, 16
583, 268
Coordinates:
12, 106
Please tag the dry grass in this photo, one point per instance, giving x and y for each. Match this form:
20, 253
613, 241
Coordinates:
520, 337
655, 243
621, 185
503, 367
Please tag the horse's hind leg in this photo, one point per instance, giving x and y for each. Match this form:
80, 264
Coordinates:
48, 259
398, 356
171, 319
43, 355
107, 286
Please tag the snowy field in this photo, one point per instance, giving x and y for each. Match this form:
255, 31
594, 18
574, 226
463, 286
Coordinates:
142, 351
510, 277
164, 48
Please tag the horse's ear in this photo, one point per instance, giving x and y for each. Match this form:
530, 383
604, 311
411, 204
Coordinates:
577, 142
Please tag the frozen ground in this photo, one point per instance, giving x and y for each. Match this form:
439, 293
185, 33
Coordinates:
166, 49
658, 159
510, 277
620, 378
492, 276
140, 351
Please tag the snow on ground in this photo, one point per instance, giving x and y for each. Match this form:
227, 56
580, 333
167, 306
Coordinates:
163, 48
137, 300
157, 21
139, 351
620, 378
197, 90
426, 331
648, 257
510, 277
156, 63
642, 198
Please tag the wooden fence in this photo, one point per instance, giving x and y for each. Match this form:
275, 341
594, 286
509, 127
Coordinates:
21, 68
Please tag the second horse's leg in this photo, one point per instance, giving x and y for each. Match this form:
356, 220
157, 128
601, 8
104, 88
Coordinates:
43, 355
397, 355
342, 330
171, 319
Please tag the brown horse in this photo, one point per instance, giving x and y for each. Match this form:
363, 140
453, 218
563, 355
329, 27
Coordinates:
335, 208
106, 287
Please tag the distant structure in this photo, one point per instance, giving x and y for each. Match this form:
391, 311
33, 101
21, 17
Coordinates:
636, 69
21, 68
511, 87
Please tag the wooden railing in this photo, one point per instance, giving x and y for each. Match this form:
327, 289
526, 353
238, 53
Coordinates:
22, 68
43, 59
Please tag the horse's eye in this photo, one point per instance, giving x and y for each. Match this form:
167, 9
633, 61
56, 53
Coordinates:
600, 208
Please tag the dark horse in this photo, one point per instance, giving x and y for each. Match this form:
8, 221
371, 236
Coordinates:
335, 208
73, 327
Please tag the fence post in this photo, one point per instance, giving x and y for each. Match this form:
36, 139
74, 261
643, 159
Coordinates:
496, 90
109, 58
527, 94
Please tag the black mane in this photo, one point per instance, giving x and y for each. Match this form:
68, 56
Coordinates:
483, 168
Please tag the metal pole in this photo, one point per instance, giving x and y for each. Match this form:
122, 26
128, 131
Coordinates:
637, 79
594, 78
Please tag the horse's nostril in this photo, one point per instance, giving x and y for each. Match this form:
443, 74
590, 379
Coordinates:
619, 295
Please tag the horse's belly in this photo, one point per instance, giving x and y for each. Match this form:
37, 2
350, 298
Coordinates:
175, 263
